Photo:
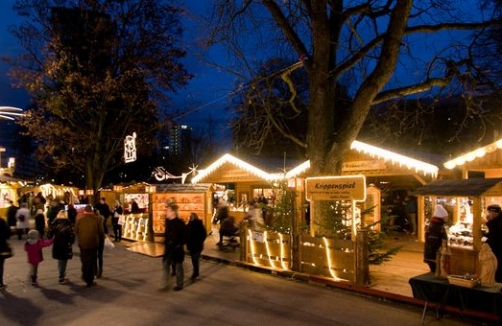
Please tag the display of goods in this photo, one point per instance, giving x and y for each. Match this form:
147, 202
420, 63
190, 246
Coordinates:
467, 281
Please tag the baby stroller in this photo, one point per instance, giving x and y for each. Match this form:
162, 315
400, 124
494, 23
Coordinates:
229, 235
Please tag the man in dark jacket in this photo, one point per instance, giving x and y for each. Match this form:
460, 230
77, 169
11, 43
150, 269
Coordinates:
89, 231
174, 240
494, 236
11, 214
196, 234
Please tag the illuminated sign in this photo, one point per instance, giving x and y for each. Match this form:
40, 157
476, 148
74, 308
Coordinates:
130, 148
336, 188
161, 174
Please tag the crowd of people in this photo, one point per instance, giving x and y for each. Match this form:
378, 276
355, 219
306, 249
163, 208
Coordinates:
90, 230
59, 226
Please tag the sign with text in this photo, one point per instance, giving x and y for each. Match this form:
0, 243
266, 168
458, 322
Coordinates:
336, 188
363, 165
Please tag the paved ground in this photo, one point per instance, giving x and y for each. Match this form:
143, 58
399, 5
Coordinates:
129, 294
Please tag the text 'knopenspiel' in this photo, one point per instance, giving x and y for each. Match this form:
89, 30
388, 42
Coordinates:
337, 186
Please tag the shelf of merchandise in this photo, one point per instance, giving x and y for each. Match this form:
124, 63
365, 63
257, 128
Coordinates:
187, 203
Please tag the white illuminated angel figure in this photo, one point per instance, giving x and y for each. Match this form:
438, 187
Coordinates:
130, 148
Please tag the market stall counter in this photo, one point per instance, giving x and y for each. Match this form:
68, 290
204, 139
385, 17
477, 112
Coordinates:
430, 289
465, 201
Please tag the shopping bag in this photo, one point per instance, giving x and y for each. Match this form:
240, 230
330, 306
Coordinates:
122, 219
108, 243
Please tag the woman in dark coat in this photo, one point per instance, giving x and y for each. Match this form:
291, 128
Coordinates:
196, 234
62, 231
118, 211
40, 222
5, 249
434, 236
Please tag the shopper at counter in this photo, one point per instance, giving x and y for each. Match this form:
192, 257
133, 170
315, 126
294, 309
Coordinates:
494, 236
434, 236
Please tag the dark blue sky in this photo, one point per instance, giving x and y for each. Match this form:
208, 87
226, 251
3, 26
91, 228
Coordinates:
205, 95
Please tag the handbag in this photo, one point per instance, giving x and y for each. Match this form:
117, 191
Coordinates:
108, 243
6, 253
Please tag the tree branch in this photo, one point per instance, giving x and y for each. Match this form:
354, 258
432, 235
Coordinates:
286, 28
410, 90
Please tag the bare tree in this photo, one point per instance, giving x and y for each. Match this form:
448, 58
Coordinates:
380, 51
98, 70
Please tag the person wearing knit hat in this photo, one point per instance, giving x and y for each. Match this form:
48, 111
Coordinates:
33, 247
434, 236
494, 236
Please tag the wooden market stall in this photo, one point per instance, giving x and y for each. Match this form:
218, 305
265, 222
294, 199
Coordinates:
138, 224
243, 181
8, 191
385, 172
189, 198
465, 201
288, 250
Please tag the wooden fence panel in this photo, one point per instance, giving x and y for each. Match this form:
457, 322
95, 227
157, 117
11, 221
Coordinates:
328, 257
319, 256
267, 249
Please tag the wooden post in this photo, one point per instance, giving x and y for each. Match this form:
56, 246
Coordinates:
362, 258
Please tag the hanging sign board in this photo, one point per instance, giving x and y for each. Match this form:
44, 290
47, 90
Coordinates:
336, 188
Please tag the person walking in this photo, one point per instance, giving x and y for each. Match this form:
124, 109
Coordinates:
89, 232
410, 208
494, 236
40, 222
22, 220
196, 234
117, 221
98, 268
104, 210
72, 213
11, 214
33, 247
434, 236
5, 249
61, 231
174, 240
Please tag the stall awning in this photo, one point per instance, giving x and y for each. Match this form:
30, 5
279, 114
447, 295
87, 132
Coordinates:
465, 187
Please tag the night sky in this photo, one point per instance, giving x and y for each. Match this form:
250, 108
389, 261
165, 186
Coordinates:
206, 94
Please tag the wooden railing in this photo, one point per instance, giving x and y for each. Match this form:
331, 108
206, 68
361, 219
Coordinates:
342, 260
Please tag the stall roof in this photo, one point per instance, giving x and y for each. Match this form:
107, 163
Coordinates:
7, 178
473, 155
465, 187
176, 187
380, 153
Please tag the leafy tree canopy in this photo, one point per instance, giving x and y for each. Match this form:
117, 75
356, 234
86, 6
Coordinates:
97, 70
